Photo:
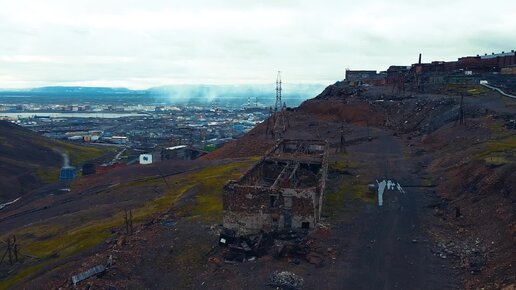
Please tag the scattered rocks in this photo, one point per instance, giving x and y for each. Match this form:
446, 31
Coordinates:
315, 258
120, 241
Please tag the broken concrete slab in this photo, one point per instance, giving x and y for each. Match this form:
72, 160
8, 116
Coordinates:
89, 273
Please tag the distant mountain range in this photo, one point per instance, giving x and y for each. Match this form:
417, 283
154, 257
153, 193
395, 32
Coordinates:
174, 94
71, 91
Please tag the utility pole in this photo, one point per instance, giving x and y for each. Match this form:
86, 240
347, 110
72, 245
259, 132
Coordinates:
342, 147
9, 249
461, 110
269, 121
369, 138
286, 123
128, 218
15, 248
12, 251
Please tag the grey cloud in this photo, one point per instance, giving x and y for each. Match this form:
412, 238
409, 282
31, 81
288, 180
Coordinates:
147, 43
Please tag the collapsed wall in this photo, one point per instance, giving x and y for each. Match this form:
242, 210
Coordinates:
284, 190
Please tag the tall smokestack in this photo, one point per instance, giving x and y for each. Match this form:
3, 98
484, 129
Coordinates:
419, 59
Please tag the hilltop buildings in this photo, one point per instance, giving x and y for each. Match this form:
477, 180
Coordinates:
494, 67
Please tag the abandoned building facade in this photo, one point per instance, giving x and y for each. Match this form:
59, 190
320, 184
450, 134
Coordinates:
284, 190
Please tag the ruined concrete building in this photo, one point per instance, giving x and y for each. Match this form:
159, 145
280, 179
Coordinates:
282, 191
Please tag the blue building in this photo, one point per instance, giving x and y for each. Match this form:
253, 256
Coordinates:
67, 173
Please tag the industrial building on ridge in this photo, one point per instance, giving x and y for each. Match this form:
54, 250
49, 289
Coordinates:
494, 67
282, 191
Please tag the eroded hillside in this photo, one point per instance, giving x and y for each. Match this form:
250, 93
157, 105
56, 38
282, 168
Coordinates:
452, 226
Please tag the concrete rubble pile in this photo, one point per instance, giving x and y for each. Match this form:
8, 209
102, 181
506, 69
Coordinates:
293, 245
285, 280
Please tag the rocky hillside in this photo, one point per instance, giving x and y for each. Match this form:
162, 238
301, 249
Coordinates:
470, 165
453, 226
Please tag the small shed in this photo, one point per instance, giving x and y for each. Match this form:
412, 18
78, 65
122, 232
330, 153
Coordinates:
67, 173
146, 158
88, 168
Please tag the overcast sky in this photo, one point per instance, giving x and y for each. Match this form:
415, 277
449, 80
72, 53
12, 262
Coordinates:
140, 44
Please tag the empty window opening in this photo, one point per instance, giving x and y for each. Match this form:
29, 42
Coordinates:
274, 200
288, 202
305, 225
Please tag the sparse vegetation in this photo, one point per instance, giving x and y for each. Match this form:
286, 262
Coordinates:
48, 175
207, 182
501, 147
470, 90
80, 154
343, 187
50, 242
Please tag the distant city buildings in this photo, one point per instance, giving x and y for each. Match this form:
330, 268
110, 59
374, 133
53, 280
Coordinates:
166, 132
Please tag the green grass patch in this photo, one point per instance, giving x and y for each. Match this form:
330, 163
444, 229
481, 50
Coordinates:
502, 145
49, 243
71, 242
212, 180
48, 174
338, 166
470, 90
345, 190
208, 184
496, 127
345, 187
499, 151
21, 275
80, 154
426, 181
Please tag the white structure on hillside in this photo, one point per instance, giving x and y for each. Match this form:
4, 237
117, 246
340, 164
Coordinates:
145, 158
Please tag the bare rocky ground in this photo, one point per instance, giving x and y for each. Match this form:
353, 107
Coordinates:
452, 228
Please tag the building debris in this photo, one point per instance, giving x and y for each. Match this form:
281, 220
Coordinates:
97, 270
292, 245
285, 280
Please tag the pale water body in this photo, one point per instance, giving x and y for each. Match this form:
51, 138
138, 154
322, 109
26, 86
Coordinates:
70, 115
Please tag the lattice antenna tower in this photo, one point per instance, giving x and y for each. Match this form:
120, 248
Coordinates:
278, 93
279, 111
